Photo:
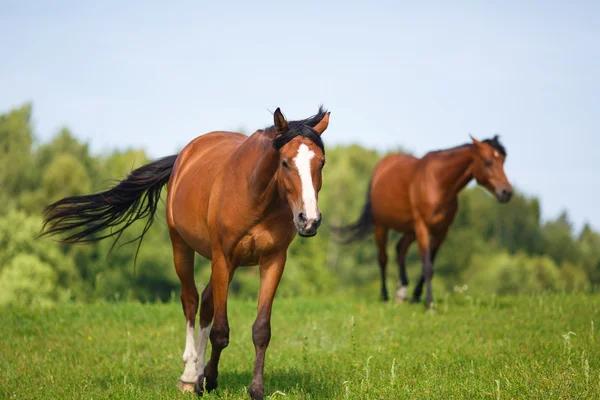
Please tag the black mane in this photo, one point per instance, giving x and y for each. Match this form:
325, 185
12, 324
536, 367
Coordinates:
494, 142
302, 128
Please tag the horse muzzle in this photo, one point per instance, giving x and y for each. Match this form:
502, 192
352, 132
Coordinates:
307, 227
504, 194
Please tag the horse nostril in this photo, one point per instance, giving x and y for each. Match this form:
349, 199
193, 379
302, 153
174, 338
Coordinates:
302, 217
505, 194
318, 220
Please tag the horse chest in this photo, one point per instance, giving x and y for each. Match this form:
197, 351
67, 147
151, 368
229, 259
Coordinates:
436, 220
441, 217
260, 240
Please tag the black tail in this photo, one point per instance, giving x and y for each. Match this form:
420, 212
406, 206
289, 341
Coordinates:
134, 198
361, 228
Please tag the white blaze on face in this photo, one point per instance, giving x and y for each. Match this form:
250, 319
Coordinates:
309, 197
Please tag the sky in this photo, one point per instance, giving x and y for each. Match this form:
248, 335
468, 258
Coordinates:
421, 75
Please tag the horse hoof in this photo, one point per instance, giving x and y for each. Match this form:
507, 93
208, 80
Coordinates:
211, 384
185, 386
415, 301
199, 386
256, 393
400, 299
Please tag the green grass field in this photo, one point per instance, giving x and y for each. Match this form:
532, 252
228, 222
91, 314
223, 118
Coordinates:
542, 347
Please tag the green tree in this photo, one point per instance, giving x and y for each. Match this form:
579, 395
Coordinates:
560, 244
25, 257
589, 245
26, 281
65, 176
16, 140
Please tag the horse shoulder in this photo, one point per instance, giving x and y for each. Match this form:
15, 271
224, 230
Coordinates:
428, 196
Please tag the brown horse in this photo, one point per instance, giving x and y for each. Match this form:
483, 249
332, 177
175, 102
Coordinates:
419, 198
235, 200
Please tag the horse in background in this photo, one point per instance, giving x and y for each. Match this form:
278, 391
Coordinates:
418, 197
233, 199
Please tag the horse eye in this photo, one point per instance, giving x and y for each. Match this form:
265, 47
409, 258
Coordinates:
487, 163
285, 164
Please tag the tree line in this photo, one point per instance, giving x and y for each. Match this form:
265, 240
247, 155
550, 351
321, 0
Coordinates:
491, 248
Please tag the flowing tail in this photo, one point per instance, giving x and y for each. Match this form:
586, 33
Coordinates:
361, 228
134, 198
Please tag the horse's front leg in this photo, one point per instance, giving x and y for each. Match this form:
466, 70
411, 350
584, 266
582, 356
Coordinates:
222, 272
271, 268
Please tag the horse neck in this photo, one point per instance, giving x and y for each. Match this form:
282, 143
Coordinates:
262, 180
456, 170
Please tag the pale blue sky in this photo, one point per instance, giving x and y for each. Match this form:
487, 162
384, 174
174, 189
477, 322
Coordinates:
423, 75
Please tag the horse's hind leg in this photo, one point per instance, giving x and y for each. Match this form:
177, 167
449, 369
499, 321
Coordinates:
183, 256
381, 235
401, 250
206, 315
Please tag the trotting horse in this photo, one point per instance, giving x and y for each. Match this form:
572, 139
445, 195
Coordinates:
235, 200
419, 198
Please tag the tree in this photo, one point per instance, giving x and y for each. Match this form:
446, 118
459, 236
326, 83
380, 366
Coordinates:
65, 176
559, 242
27, 261
16, 139
589, 245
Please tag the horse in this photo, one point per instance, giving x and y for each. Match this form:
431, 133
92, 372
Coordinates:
237, 201
418, 197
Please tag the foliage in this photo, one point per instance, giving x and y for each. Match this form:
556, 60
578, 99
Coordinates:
503, 273
491, 247
32, 270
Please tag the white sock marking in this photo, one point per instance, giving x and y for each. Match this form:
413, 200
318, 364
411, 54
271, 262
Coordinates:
402, 292
189, 356
201, 344
309, 197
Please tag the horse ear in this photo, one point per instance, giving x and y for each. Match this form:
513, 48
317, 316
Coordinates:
281, 125
476, 142
322, 124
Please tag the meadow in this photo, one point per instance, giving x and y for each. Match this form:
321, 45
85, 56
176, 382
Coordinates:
543, 347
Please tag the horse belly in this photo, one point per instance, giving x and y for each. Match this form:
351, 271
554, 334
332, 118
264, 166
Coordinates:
393, 216
198, 239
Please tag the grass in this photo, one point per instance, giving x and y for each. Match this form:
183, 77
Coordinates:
541, 347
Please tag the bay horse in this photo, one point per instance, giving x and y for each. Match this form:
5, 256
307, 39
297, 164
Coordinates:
419, 198
233, 199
